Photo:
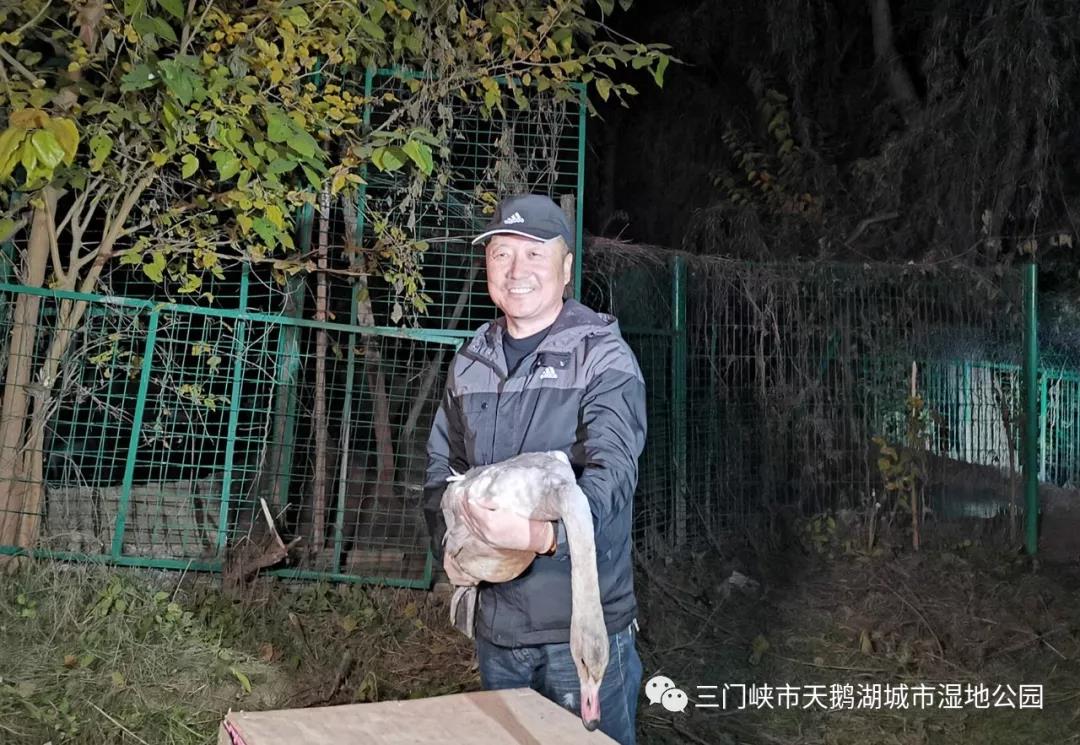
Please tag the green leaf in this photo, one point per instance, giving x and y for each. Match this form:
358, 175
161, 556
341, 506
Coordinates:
298, 16
658, 73
140, 77
420, 155
143, 25
49, 152
607, 6
131, 7
155, 270
179, 79
388, 158
192, 283
266, 231
281, 165
312, 176
175, 8
227, 163
303, 143
191, 164
244, 681
603, 87
101, 146
373, 30
163, 29
278, 126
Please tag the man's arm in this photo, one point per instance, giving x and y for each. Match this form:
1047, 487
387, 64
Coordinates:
611, 431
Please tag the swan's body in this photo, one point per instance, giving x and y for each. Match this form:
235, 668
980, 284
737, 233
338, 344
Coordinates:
539, 486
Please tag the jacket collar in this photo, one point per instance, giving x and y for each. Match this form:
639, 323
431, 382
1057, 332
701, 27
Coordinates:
574, 322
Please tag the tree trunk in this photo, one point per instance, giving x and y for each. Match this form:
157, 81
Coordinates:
901, 87
318, 510
22, 429
13, 415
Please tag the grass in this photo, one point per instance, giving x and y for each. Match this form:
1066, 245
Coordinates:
97, 655
966, 612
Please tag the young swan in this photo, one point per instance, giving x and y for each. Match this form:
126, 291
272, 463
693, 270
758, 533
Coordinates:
539, 486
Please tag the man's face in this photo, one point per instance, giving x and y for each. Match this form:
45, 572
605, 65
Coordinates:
526, 279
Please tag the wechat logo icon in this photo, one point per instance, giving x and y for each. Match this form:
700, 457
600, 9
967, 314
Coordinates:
661, 690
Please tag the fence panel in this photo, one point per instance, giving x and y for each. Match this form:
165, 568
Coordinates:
166, 428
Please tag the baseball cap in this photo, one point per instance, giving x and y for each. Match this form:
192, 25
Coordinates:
530, 215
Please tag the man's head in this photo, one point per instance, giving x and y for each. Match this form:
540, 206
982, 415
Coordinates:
529, 258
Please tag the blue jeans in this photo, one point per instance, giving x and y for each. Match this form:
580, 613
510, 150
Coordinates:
549, 669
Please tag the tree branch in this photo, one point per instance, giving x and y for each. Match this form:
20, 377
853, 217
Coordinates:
900, 85
18, 67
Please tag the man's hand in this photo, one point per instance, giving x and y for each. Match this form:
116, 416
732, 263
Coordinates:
503, 529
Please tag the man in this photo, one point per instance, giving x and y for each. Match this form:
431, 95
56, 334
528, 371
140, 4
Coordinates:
547, 375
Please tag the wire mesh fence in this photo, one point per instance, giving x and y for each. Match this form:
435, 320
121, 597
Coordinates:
794, 378
167, 427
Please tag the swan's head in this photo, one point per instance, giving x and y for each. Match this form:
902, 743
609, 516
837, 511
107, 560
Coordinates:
589, 646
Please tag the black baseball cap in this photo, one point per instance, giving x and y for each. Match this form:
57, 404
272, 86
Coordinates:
532, 216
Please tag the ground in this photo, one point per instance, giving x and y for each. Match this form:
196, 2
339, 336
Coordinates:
97, 655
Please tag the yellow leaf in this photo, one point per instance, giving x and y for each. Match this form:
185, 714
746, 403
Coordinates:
28, 118
66, 134
273, 214
10, 141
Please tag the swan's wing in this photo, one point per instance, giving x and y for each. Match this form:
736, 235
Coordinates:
463, 610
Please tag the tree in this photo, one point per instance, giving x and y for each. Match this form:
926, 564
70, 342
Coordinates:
175, 136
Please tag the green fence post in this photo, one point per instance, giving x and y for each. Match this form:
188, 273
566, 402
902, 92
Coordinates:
1031, 407
239, 344
1042, 424
136, 432
678, 394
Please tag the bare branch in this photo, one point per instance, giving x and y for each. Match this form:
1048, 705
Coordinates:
18, 67
54, 244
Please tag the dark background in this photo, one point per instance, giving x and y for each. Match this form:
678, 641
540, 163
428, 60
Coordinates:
940, 130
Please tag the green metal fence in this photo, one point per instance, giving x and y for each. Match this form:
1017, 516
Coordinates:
768, 384
161, 437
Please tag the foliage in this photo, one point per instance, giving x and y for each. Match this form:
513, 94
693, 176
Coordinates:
902, 465
977, 166
95, 655
234, 114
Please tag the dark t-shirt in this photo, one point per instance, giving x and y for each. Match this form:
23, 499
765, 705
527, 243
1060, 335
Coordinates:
518, 349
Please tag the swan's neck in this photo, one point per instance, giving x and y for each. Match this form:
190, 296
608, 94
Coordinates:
577, 518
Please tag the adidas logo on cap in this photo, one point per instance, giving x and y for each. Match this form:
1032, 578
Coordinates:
514, 219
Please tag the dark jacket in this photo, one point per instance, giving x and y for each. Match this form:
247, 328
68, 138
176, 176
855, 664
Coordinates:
580, 392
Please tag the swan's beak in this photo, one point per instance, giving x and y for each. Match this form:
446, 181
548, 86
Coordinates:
590, 704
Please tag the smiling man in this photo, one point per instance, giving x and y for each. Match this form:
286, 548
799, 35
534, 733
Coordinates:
549, 374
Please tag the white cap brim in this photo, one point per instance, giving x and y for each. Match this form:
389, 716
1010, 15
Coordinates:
498, 231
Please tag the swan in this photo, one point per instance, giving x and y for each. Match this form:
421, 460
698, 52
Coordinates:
539, 486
